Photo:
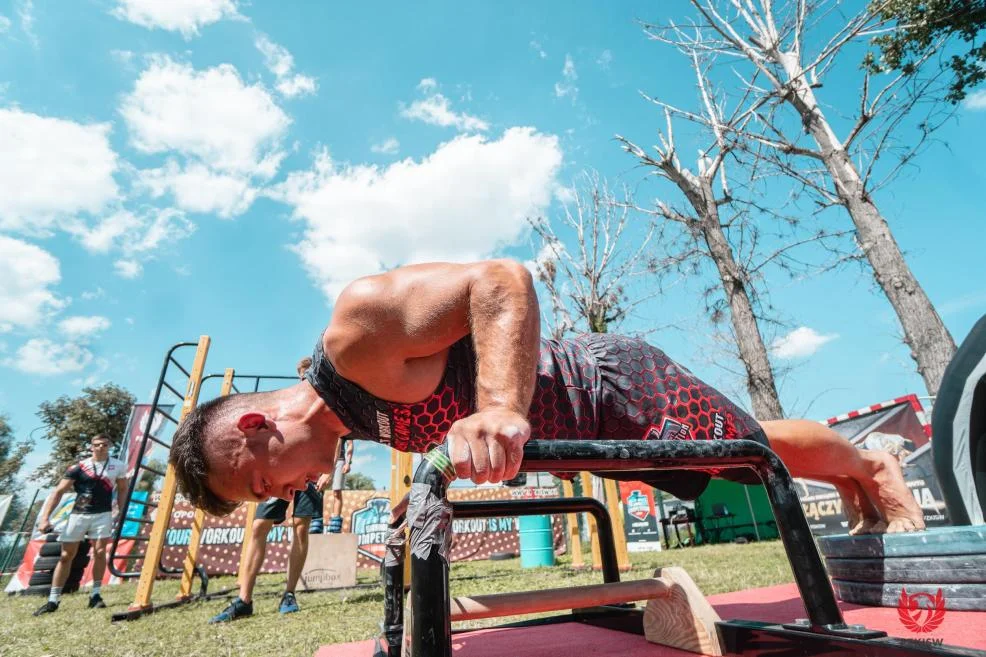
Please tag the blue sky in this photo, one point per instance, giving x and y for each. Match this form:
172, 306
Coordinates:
175, 169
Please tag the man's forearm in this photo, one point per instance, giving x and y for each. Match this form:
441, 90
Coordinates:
506, 325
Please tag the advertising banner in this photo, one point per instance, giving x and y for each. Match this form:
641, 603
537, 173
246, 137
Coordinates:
898, 427
640, 519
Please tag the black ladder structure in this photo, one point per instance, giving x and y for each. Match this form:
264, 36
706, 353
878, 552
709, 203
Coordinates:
426, 629
148, 546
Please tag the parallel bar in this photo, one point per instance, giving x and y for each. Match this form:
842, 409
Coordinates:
143, 521
150, 469
574, 597
607, 545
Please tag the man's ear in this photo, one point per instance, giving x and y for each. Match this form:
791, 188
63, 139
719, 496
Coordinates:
250, 423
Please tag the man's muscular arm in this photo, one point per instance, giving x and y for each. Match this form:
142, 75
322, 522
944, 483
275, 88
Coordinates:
389, 333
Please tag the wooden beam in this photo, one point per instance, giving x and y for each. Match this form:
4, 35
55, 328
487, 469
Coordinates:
597, 560
576, 597
574, 537
401, 464
162, 518
198, 520
616, 516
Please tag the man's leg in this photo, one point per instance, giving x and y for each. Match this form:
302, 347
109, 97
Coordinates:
335, 518
59, 577
296, 561
98, 570
243, 604
813, 451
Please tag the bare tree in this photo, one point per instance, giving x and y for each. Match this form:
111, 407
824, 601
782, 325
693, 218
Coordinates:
589, 285
777, 54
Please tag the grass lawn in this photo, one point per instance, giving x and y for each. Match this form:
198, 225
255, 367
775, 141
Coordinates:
328, 617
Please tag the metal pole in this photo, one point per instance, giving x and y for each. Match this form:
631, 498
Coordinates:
753, 516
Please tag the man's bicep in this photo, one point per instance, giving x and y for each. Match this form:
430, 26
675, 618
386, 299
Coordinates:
65, 485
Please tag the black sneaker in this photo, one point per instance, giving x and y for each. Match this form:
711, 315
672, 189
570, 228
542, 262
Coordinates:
96, 602
236, 609
48, 607
289, 604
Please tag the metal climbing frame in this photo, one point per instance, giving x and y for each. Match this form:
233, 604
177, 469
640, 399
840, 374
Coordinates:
824, 631
154, 542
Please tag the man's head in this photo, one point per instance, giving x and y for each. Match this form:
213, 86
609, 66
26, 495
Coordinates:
303, 366
100, 446
249, 447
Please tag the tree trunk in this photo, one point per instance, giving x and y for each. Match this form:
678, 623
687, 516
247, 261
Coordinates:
753, 352
931, 345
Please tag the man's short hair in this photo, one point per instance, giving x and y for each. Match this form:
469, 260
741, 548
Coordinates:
303, 365
188, 452
100, 436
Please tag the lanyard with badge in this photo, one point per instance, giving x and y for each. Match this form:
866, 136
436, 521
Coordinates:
83, 500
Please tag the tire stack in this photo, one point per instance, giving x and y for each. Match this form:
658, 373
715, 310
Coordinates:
940, 568
44, 567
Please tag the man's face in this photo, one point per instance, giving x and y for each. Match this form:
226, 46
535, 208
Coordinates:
274, 462
100, 449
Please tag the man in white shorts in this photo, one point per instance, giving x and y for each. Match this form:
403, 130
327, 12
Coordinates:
94, 480
344, 462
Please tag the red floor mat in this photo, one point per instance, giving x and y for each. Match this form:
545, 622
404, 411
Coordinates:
771, 604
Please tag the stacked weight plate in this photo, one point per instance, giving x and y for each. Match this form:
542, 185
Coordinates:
946, 563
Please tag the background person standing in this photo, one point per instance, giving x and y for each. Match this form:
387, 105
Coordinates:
94, 480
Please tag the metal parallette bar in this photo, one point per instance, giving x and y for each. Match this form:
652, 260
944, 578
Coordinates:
166, 415
429, 520
143, 521
553, 505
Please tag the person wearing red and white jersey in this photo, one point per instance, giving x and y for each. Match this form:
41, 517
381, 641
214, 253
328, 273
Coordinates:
94, 481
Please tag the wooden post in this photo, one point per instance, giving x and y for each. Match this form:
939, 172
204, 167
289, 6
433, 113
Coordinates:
597, 560
574, 538
684, 619
251, 515
198, 521
400, 485
616, 515
155, 543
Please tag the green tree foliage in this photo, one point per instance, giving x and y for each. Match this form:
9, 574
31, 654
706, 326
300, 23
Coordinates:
71, 422
928, 25
359, 481
12, 455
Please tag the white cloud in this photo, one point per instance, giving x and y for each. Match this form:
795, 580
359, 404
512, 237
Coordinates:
567, 86
107, 233
90, 295
800, 342
184, 16
52, 168
79, 327
280, 62
468, 198
605, 59
166, 226
388, 146
976, 100
196, 188
125, 57
4, 23
26, 274
297, 85
128, 268
46, 358
437, 110
536, 46
25, 12
209, 115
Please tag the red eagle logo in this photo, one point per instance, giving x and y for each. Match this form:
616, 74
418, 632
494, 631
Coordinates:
921, 612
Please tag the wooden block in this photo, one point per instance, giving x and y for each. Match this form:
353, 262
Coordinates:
331, 562
684, 619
